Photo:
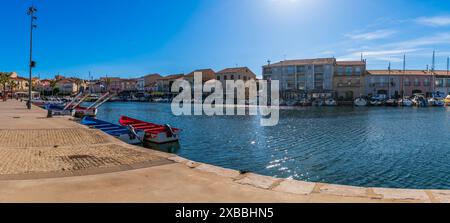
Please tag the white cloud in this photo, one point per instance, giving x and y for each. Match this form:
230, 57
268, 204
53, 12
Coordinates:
434, 21
378, 34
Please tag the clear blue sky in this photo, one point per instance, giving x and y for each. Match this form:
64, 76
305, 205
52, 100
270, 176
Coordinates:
130, 38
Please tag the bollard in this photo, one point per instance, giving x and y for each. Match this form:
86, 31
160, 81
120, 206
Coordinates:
49, 114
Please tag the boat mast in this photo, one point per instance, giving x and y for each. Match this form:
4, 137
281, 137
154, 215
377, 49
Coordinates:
403, 76
389, 81
432, 71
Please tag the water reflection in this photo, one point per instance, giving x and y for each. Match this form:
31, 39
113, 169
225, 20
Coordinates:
371, 146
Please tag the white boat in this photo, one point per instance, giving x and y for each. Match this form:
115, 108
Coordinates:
419, 100
437, 102
330, 102
405, 102
360, 102
318, 103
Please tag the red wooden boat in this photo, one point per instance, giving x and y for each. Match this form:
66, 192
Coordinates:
153, 132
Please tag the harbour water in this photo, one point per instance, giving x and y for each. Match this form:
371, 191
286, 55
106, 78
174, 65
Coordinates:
372, 146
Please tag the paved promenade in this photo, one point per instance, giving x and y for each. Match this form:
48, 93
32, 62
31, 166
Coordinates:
58, 160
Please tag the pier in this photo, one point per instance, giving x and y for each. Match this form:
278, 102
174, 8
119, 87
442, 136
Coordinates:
58, 160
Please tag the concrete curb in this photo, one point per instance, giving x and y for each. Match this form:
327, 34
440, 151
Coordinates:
309, 188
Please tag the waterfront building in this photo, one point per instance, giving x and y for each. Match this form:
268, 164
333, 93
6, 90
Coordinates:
150, 82
442, 82
348, 80
237, 73
128, 85
164, 84
44, 86
70, 85
207, 74
397, 83
140, 84
303, 75
321, 77
112, 84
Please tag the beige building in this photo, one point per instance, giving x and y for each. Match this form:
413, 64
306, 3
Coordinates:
207, 74
164, 84
348, 80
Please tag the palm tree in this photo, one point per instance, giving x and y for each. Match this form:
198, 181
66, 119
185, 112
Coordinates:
12, 86
4, 79
53, 85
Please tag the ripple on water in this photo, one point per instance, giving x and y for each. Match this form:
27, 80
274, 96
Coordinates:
378, 147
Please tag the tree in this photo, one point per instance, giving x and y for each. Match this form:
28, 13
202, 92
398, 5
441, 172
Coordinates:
53, 86
12, 86
4, 79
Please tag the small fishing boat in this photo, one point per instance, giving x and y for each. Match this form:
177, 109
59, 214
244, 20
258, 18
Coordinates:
405, 102
318, 103
58, 110
360, 102
378, 100
330, 102
125, 134
154, 133
437, 102
391, 102
419, 100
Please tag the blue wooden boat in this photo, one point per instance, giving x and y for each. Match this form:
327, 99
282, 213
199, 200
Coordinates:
125, 134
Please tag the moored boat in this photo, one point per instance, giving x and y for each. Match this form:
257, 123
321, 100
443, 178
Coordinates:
405, 102
154, 133
360, 102
419, 100
123, 133
330, 102
447, 100
391, 102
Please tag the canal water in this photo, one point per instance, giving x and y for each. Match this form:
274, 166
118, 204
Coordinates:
372, 147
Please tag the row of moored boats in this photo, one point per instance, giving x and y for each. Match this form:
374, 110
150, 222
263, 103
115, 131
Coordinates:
418, 100
129, 130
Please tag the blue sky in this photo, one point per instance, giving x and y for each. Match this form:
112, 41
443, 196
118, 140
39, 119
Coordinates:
137, 37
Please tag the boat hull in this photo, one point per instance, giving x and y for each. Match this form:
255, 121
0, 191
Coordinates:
154, 133
360, 102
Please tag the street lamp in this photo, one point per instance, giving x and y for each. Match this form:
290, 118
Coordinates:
31, 11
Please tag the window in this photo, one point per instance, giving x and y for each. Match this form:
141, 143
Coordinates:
232, 77
340, 70
218, 78
301, 69
225, 77
426, 82
439, 82
289, 70
318, 69
448, 82
407, 82
358, 70
318, 81
348, 71
416, 82
302, 85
